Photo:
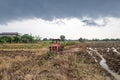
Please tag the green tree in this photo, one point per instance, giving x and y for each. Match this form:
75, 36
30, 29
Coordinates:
81, 39
37, 38
17, 39
45, 39
62, 37
2, 40
26, 38
6, 39
11, 39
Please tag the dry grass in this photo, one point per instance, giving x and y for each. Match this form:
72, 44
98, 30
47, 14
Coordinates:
24, 45
72, 64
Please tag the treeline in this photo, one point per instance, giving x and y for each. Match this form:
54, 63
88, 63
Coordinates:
107, 39
26, 38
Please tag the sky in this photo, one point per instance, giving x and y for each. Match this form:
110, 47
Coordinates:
52, 18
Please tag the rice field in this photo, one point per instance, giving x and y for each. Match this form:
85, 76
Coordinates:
78, 61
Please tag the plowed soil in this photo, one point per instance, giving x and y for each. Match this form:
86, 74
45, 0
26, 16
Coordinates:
73, 63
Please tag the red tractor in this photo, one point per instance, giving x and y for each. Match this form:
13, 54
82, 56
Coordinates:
56, 46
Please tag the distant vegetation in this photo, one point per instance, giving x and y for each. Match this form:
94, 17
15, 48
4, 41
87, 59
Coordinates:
27, 38
62, 37
107, 39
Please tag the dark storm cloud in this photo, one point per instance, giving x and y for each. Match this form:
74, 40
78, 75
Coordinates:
90, 23
93, 23
48, 9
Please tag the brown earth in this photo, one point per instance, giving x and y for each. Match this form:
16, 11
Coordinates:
112, 58
71, 64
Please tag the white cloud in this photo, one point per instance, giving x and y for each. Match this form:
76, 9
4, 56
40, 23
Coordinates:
70, 27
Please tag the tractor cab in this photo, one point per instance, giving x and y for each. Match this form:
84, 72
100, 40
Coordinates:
56, 46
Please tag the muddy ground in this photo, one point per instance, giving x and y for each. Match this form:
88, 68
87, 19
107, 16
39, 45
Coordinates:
71, 64
112, 58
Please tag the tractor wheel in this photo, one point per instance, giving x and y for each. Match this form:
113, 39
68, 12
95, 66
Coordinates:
50, 49
61, 48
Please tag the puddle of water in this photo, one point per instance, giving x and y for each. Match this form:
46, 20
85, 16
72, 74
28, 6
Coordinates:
115, 50
105, 66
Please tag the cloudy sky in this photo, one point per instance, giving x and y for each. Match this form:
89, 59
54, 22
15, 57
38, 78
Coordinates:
52, 18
